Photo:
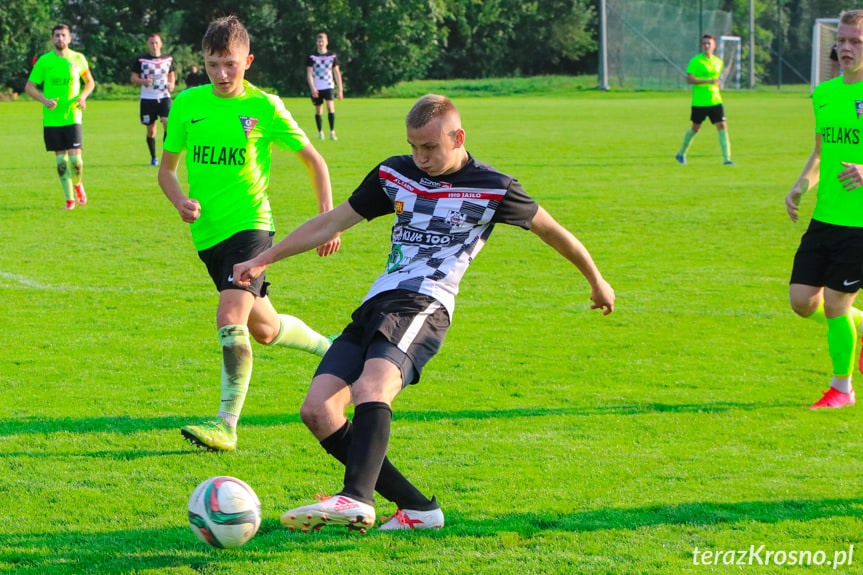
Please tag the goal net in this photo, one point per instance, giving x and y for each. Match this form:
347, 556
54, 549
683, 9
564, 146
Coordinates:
823, 40
728, 51
650, 42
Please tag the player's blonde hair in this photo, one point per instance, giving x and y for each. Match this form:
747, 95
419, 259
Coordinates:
429, 107
224, 34
851, 17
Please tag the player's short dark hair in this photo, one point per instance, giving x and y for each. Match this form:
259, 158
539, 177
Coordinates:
60, 26
156, 34
709, 36
224, 34
851, 17
427, 108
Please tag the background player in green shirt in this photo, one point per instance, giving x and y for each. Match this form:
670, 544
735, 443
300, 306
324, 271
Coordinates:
828, 266
227, 129
704, 72
60, 73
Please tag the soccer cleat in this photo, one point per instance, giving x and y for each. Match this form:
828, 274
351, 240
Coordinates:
728, 163
834, 398
154, 162
335, 510
70, 205
80, 194
404, 519
212, 435
681, 159
333, 135
320, 135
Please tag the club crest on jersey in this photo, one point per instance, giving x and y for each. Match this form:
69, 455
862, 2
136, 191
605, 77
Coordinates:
399, 206
454, 218
248, 124
858, 106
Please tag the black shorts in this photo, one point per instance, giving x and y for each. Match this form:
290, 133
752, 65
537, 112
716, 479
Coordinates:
242, 246
830, 256
152, 110
401, 326
715, 113
323, 95
62, 138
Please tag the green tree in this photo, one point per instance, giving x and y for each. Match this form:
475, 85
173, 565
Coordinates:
25, 32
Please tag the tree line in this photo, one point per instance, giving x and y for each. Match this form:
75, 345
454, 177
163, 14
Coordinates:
379, 42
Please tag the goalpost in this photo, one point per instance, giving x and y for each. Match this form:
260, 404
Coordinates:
823, 40
729, 52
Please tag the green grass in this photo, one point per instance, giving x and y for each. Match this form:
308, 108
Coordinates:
555, 439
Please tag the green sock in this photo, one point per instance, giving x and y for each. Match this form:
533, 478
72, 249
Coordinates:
725, 145
76, 167
687, 141
65, 176
296, 334
818, 314
236, 369
841, 339
856, 317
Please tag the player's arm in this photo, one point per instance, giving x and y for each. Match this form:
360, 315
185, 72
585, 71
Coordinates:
567, 245
319, 174
808, 179
137, 80
189, 208
319, 230
310, 78
691, 79
34, 93
337, 76
172, 81
89, 86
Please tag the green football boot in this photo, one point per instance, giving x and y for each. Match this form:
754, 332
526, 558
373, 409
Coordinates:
212, 435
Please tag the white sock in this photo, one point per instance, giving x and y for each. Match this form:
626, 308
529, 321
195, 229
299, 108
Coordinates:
842, 384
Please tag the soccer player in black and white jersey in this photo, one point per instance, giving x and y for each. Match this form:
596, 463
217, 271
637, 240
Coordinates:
323, 75
154, 72
446, 204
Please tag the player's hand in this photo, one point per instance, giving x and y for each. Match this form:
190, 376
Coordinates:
52, 103
81, 103
148, 81
330, 247
341, 95
190, 210
245, 272
602, 296
792, 203
314, 93
852, 176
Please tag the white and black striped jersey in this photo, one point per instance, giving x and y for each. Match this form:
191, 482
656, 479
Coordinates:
322, 69
157, 68
441, 222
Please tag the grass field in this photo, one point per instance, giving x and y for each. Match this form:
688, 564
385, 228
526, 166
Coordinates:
555, 439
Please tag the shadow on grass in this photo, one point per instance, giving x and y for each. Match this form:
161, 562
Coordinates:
126, 425
117, 551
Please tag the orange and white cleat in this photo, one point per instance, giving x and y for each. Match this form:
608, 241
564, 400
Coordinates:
335, 510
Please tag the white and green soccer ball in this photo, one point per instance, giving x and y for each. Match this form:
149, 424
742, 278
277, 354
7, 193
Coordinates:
224, 512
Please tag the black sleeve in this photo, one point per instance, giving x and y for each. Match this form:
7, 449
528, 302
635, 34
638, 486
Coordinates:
136, 66
369, 199
516, 208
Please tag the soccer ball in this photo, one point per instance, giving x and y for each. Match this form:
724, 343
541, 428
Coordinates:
224, 512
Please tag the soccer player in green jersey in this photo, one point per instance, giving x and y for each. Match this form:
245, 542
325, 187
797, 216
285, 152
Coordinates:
60, 73
828, 266
704, 72
226, 129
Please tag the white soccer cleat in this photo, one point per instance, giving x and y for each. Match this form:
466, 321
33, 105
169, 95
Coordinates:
335, 510
412, 519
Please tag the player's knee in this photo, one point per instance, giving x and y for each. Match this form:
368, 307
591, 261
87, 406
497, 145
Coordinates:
803, 307
263, 333
696, 128
312, 415
61, 169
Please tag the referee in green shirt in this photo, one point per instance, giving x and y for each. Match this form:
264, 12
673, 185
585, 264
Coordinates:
704, 72
828, 266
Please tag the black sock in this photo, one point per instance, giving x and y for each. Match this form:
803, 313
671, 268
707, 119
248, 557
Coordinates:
319, 122
331, 116
391, 484
151, 143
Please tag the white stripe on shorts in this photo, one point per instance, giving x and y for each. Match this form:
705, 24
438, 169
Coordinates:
416, 325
